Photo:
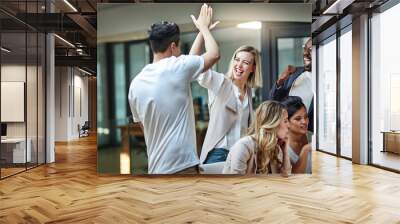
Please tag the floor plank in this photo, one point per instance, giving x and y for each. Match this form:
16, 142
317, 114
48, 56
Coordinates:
70, 191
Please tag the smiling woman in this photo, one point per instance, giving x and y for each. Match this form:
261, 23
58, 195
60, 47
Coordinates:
231, 90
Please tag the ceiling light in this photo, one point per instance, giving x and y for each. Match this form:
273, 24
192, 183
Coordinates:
5, 49
70, 5
64, 40
86, 72
255, 25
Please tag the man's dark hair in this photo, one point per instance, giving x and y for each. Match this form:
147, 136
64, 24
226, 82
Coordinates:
162, 34
293, 104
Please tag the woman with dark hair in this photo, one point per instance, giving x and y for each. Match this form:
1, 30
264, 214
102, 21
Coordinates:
298, 147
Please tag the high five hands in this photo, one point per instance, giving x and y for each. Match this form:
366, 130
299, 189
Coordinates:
204, 19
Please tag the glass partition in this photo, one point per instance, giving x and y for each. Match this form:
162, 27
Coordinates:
22, 91
15, 151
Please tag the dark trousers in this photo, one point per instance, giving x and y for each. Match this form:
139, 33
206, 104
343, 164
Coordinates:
216, 155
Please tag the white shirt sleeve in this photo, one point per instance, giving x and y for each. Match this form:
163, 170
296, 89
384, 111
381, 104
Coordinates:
135, 115
211, 80
191, 65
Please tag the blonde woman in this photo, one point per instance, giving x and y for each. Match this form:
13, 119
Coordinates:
264, 150
230, 101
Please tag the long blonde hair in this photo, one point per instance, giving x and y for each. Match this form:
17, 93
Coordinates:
264, 131
255, 78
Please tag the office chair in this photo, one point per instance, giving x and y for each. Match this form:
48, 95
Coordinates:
84, 130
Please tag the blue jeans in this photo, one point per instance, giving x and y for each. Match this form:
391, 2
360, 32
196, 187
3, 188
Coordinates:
216, 155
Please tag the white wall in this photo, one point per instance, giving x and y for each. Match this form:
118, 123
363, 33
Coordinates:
67, 115
61, 103
33, 126
10, 73
80, 83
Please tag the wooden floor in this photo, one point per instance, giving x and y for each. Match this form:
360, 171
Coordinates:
70, 191
388, 159
10, 171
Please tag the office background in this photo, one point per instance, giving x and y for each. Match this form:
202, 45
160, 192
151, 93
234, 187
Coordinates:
48, 89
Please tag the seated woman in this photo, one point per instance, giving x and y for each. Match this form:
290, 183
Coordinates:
298, 147
264, 150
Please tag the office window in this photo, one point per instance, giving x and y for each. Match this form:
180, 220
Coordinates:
117, 65
327, 95
139, 53
346, 92
101, 62
120, 83
138, 58
102, 101
385, 89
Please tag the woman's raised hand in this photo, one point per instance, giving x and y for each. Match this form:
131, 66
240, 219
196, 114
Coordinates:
204, 19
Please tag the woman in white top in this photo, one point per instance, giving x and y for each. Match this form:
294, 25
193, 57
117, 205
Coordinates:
230, 101
298, 147
264, 150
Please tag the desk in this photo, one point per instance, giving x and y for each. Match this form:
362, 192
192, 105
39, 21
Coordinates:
391, 141
129, 130
15, 148
125, 158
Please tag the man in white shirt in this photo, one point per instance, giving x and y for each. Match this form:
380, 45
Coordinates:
160, 97
297, 82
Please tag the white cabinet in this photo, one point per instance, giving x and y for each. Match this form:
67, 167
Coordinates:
18, 149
